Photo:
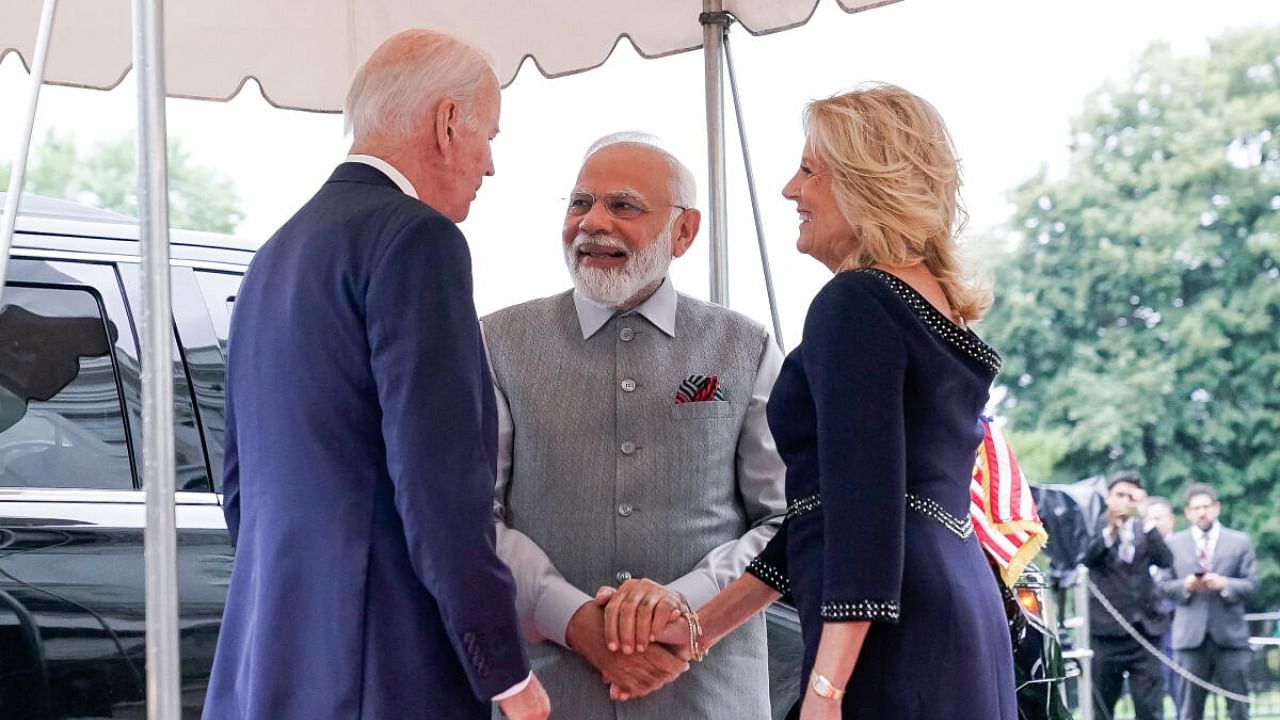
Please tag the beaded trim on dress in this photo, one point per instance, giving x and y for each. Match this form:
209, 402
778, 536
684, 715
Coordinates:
965, 340
960, 527
770, 575
804, 506
873, 610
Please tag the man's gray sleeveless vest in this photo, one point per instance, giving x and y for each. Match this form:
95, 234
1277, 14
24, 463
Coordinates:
614, 479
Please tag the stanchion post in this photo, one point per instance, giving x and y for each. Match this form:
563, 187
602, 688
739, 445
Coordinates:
1085, 655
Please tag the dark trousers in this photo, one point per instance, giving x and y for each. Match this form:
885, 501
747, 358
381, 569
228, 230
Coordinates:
1172, 681
1226, 667
1113, 657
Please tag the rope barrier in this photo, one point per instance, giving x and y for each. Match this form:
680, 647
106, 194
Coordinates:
1146, 645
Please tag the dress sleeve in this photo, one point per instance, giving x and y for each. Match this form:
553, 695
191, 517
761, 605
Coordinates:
855, 360
770, 566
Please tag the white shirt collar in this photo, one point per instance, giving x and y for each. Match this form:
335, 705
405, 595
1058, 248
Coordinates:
387, 169
1212, 532
659, 309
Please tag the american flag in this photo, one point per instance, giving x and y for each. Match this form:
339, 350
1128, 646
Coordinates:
1004, 515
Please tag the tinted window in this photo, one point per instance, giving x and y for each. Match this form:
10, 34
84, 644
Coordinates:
191, 470
61, 412
219, 291
201, 305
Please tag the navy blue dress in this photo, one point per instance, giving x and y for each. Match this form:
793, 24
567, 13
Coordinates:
876, 415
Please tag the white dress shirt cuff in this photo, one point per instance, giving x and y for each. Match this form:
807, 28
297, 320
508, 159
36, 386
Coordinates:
696, 587
514, 689
557, 603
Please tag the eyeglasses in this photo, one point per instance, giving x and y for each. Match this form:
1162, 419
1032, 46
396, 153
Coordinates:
625, 206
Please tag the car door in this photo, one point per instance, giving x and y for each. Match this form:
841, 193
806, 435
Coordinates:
204, 549
72, 607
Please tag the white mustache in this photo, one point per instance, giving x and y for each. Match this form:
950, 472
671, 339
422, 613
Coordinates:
601, 240
615, 286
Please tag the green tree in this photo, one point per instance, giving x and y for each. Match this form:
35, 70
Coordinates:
1139, 305
200, 198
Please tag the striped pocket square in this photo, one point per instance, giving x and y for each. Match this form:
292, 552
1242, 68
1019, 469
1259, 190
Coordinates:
699, 388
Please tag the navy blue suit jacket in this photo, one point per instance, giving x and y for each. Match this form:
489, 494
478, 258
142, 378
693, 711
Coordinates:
361, 433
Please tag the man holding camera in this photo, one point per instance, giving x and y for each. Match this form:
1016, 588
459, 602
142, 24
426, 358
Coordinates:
1119, 560
1214, 574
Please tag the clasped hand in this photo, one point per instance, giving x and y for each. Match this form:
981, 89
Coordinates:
634, 635
1211, 582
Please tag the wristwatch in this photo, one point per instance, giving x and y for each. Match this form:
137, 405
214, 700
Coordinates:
823, 688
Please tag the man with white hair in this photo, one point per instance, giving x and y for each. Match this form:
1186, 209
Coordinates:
360, 428
633, 452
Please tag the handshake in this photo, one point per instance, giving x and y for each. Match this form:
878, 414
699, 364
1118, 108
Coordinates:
639, 636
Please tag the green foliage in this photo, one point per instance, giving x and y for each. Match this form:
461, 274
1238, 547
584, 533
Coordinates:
1139, 307
200, 198
1039, 451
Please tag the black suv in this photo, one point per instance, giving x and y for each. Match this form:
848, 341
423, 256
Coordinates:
71, 503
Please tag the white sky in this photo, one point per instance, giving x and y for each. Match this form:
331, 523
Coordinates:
1006, 74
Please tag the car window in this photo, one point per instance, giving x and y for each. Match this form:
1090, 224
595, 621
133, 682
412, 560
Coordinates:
190, 466
219, 291
191, 471
202, 303
62, 420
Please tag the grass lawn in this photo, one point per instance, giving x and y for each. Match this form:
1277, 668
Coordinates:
1265, 705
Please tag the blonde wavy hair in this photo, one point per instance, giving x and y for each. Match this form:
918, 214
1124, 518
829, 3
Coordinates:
896, 180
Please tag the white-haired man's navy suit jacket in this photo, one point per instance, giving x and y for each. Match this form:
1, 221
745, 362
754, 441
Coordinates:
361, 434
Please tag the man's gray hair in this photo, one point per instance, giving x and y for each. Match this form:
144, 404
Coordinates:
684, 190
407, 77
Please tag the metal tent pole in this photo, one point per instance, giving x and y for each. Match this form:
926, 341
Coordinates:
1084, 644
751, 190
19, 171
714, 24
160, 537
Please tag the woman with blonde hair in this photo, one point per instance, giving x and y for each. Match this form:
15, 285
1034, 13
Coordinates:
876, 414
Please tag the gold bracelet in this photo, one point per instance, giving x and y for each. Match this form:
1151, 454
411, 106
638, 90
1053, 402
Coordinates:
696, 649
695, 635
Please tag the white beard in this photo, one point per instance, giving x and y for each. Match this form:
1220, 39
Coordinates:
614, 288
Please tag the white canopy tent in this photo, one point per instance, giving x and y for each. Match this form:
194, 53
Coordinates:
303, 56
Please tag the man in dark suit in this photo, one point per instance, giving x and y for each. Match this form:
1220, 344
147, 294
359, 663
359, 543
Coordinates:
1214, 574
361, 429
1119, 560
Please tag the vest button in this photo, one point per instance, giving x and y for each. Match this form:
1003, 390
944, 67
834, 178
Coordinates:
622, 576
624, 510
628, 385
626, 334
628, 447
